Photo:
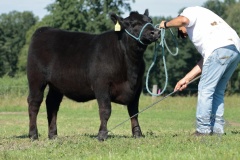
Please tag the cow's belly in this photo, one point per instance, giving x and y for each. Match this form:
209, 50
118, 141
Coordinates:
80, 97
75, 89
123, 93
123, 96
81, 91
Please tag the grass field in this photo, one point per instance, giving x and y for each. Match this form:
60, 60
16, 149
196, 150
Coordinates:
167, 128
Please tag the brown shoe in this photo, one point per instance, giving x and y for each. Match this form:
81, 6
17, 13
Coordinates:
198, 134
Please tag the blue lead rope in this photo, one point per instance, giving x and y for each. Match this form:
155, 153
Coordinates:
157, 47
162, 44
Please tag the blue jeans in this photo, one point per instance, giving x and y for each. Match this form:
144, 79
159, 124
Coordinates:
216, 72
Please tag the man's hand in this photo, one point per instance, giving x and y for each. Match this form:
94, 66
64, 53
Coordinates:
181, 85
162, 24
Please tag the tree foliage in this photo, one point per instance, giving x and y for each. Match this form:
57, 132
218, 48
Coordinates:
217, 7
13, 27
81, 15
233, 17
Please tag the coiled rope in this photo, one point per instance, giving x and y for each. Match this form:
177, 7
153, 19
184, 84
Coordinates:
157, 48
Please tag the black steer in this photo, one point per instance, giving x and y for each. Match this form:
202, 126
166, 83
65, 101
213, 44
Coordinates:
108, 67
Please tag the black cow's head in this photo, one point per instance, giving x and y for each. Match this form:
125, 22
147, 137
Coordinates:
138, 26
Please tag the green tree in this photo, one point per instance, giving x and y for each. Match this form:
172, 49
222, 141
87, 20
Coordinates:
233, 16
233, 19
13, 27
2, 69
229, 2
82, 15
217, 7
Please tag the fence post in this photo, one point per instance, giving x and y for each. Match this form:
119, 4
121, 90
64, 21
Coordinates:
154, 90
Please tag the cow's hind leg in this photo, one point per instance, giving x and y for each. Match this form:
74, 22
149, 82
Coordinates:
53, 101
35, 99
104, 104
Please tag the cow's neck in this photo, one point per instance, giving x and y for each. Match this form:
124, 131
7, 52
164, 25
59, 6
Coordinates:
135, 49
134, 60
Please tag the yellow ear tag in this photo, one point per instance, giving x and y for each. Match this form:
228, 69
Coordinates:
117, 27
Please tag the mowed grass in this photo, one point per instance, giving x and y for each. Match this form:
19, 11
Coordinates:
167, 129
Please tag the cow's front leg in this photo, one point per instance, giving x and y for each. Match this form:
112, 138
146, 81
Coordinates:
132, 111
104, 113
136, 130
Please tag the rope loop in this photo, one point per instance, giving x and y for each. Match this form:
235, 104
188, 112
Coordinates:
156, 49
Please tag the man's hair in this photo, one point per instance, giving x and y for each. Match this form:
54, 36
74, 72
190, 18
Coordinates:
180, 34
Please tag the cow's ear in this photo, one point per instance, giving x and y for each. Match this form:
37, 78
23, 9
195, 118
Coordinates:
116, 19
146, 13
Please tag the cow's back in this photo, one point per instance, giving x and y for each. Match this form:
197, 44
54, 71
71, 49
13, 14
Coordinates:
48, 43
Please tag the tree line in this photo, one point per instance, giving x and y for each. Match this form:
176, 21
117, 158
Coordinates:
16, 29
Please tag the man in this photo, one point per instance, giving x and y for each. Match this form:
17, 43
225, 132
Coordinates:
219, 46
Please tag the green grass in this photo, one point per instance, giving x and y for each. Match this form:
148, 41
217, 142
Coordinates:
15, 86
167, 128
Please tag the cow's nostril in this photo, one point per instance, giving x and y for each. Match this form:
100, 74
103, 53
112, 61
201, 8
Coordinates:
152, 32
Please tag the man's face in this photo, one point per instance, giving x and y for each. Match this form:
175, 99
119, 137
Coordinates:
182, 32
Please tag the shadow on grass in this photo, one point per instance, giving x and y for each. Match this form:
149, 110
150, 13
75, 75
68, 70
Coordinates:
24, 136
148, 134
86, 135
21, 136
235, 131
109, 136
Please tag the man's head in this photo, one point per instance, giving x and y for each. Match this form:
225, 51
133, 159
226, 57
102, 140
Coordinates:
182, 32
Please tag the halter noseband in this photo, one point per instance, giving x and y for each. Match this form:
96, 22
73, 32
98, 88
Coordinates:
139, 37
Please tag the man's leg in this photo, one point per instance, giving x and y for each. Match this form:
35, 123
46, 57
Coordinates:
218, 97
212, 72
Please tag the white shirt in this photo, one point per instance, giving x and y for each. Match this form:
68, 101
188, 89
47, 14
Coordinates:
208, 31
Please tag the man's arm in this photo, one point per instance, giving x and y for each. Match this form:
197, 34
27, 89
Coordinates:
182, 84
179, 21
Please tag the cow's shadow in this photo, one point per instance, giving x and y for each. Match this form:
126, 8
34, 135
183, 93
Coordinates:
119, 136
111, 136
92, 136
87, 135
21, 136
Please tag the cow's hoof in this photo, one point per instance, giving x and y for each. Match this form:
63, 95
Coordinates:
137, 133
33, 134
102, 135
52, 137
33, 137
